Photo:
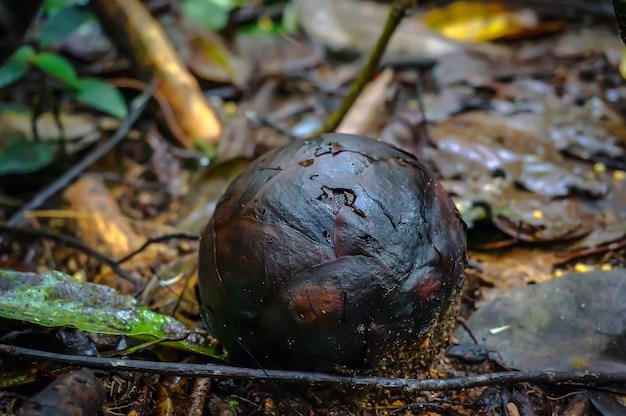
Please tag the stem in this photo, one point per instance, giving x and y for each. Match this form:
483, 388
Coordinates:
396, 13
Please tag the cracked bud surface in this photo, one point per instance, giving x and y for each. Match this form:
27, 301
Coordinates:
336, 251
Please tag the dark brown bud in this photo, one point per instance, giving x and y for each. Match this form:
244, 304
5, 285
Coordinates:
337, 250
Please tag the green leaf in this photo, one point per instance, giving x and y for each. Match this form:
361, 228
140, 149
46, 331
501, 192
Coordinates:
15, 67
63, 23
289, 21
102, 96
51, 7
57, 66
264, 27
226, 4
21, 156
53, 299
213, 14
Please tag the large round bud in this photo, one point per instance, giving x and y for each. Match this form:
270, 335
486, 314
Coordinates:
338, 250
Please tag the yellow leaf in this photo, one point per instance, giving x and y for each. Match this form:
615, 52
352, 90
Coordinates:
473, 21
622, 65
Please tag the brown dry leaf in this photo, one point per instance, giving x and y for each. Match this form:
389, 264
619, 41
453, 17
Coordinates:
171, 290
609, 233
212, 60
136, 30
366, 111
534, 218
278, 55
207, 188
591, 41
486, 141
586, 131
519, 145
79, 130
102, 225
461, 70
515, 267
520, 214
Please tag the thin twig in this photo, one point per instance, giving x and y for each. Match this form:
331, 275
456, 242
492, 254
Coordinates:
590, 251
71, 242
396, 13
268, 122
166, 107
412, 385
159, 239
41, 197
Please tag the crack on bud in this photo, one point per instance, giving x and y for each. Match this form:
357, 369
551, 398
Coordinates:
328, 148
340, 197
384, 210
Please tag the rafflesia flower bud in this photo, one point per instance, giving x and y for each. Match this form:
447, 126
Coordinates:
336, 251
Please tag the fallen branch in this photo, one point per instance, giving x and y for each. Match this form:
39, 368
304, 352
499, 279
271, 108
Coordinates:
414, 385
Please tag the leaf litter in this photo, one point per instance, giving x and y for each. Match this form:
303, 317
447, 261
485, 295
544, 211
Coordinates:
528, 136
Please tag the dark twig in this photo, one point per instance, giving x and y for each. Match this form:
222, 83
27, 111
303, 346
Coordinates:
159, 239
70, 242
467, 329
590, 251
504, 400
139, 105
396, 13
413, 385
523, 404
268, 122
